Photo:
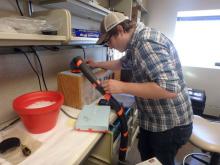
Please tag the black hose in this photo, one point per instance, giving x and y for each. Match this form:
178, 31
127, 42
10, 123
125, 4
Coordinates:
115, 105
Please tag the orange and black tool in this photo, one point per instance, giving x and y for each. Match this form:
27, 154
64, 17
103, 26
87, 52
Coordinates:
115, 105
74, 68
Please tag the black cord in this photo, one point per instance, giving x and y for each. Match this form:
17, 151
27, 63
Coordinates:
54, 48
109, 4
84, 53
41, 68
68, 114
35, 71
19, 8
10, 124
30, 7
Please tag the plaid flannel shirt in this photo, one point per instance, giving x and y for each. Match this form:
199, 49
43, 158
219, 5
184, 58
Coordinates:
152, 58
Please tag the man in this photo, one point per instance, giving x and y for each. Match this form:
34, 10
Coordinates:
165, 113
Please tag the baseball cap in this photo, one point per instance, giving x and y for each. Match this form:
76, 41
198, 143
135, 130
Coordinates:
109, 22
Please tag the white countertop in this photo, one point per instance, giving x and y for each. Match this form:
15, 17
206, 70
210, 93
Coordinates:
62, 144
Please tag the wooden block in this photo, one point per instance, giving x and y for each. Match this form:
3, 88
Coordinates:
77, 90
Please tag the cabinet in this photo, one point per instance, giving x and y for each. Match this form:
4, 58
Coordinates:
78, 8
65, 9
138, 10
89, 10
124, 6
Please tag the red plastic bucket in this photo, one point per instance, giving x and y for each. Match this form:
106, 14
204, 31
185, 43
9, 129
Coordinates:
36, 116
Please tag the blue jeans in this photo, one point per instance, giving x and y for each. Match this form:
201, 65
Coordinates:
163, 145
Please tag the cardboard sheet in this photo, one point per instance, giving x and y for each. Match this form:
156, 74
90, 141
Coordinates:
93, 118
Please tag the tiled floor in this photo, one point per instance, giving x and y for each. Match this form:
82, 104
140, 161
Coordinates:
133, 156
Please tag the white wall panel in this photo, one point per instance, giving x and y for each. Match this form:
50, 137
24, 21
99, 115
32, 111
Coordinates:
162, 16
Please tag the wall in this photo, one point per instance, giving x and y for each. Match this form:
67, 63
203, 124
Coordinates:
162, 16
16, 76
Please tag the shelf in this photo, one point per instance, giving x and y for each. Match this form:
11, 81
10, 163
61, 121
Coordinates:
18, 39
79, 8
22, 39
82, 41
35, 39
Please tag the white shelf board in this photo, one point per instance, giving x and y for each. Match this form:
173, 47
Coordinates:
82, 40
79, 8
14, 39
19, 39
31, 37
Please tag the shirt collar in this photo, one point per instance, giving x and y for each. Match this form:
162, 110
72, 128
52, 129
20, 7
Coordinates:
139, 27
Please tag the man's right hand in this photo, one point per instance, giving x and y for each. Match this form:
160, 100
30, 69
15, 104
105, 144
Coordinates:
91, 63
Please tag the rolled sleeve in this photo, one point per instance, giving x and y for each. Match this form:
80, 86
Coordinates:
162, 67
169, 84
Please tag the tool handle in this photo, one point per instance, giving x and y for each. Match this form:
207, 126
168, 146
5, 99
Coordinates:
88, 74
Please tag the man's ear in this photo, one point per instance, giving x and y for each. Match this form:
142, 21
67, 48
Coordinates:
120, 29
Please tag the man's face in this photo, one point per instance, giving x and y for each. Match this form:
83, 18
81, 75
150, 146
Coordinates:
118, 41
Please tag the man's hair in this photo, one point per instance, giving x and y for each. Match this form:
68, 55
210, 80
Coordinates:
127, 25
